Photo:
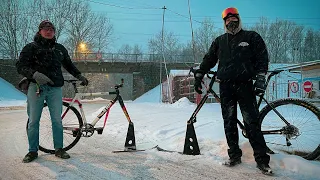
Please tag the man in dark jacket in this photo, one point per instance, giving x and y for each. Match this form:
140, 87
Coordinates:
242, 57
40, 62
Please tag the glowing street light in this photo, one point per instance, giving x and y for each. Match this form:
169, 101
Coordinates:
82, 46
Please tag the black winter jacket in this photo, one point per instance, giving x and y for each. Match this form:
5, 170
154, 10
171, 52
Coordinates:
45, 56
241, 56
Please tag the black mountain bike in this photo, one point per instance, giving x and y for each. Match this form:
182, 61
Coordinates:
288, 125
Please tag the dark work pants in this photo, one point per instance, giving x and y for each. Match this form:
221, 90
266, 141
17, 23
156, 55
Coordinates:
231, 93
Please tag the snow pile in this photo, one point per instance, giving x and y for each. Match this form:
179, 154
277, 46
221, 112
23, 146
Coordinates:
10, 96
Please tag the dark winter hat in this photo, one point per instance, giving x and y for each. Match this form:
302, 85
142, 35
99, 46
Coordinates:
46, 23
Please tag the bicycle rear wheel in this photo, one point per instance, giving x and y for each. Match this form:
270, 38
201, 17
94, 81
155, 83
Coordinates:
301, 137
71, 122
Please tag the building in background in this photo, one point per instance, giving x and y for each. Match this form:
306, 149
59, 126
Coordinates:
309, 81
181, 84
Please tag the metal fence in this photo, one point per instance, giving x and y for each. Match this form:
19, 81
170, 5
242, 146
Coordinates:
116, 57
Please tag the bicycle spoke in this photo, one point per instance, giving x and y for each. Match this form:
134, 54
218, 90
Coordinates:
302, 134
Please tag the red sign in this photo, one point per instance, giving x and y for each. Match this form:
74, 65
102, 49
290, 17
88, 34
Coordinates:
294, 87
307, 86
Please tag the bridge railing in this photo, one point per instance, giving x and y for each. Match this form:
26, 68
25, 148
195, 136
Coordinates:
118, 57
134, 58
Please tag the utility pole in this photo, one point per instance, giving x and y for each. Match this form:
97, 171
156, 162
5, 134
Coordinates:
162, 40
192, 35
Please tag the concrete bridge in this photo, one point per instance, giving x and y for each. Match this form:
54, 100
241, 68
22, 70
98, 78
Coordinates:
144, 74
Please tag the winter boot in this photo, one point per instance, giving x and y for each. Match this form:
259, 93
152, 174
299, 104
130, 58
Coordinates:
30, 157
265, 168
232, 162
62, 154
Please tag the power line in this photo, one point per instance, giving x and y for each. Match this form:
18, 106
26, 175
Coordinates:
123, 7
177, 35
144, 4
149, 34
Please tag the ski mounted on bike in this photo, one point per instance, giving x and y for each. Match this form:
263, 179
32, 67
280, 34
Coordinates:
287, 127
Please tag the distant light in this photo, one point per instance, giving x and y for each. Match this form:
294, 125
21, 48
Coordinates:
82, 45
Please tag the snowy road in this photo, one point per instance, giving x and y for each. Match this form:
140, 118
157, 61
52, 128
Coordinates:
92, 158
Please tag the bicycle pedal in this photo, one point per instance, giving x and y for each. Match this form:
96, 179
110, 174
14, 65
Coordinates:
99, 130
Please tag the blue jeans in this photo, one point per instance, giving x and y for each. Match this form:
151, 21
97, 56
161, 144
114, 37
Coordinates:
53, 97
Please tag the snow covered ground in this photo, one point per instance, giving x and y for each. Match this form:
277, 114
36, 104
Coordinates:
155, 124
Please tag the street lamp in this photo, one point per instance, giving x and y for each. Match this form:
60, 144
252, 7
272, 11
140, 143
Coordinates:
82, 50
82, 47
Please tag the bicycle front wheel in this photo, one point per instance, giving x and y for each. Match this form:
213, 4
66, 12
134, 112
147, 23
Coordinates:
71, 122
300, 137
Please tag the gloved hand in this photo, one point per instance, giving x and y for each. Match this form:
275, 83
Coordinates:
198, 76
41, 79
84, 81
260, 84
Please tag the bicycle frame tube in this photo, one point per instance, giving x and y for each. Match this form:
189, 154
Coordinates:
124, 109
106, 109
277, 112
203, 100
77, 100
199, 106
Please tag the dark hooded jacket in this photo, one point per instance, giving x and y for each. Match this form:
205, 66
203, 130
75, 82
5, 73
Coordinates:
241, 56
47, 57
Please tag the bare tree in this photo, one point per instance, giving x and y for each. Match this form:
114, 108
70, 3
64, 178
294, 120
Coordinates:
129, 53
317, 44
262, 27
12, 27
283, 38
86, 27
279, 41
204, 36
124, 53
309, 46
170, 45
296, 39
102, 34
137, 51
57, 11
187, 54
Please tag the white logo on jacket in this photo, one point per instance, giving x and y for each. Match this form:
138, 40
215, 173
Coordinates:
243, 44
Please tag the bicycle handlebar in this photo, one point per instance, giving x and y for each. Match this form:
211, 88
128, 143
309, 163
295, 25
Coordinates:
192, 70
73, 82
117, 86
272, 73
